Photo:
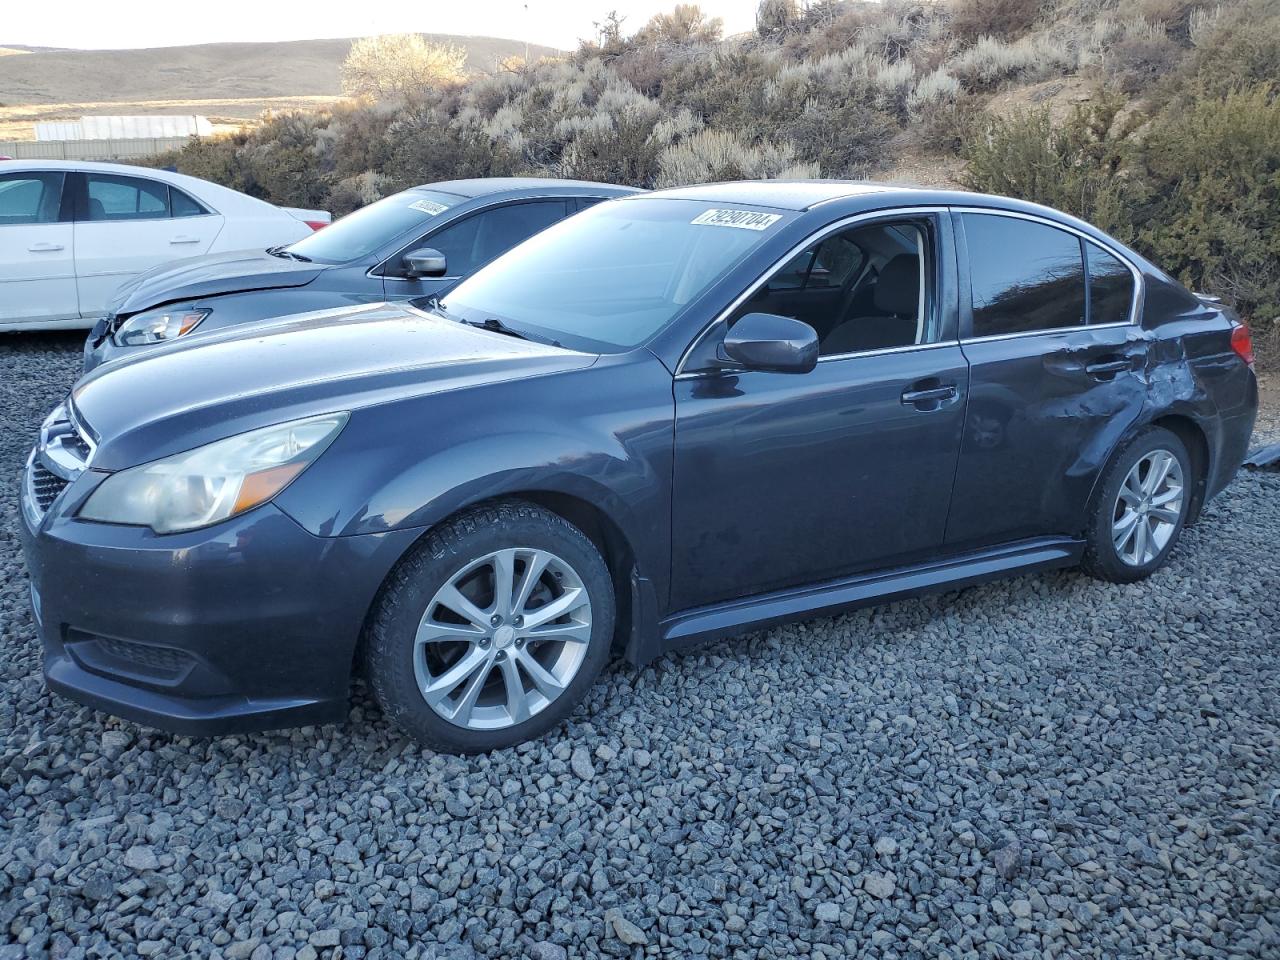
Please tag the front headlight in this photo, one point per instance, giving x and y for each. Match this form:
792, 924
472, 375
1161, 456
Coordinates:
213, 482
157, 326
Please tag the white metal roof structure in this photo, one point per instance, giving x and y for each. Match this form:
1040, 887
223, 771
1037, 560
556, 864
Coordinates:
123, 128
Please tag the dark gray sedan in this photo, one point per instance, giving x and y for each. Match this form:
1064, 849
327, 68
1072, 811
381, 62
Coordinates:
413, 244
675, 417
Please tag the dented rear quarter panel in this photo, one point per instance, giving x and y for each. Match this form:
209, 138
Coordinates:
1193, 373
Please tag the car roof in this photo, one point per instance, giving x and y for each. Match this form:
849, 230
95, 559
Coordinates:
490, 186
94, 166
783, 194
856, 196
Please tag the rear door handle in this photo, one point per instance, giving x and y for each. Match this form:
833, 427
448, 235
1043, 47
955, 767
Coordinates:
1104, 367
185, 239
929, 395
44, 247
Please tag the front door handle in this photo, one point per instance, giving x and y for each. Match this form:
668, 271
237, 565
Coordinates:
1104, 368
44, 247
185, 239
938, 394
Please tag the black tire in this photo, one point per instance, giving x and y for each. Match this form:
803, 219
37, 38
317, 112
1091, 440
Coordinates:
1101, 557
412, 586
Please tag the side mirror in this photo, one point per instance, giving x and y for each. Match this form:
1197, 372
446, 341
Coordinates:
766, 341
424, 262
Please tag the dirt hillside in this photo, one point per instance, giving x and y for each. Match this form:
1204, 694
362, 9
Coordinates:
231, 70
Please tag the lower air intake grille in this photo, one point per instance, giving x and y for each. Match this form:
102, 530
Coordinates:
160, 659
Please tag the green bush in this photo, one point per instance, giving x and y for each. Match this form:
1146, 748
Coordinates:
1073, 166
1210, 205
1196, 188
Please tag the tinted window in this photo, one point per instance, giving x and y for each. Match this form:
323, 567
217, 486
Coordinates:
125, 198
30, 197
1026, 276
1110, 287
612, 276
859, 289
361, 233
476, 240
184, 205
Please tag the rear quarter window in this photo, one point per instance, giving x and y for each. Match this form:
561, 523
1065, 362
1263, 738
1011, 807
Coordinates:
1111, 286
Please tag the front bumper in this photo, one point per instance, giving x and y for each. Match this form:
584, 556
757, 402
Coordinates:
99, 347
247, 625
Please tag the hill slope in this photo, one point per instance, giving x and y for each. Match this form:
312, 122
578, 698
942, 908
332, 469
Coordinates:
239, 71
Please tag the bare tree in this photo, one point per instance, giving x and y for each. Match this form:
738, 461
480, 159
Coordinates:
685, 24
776, 17
396, 65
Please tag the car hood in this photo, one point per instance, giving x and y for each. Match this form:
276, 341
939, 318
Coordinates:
236, 271
183, 395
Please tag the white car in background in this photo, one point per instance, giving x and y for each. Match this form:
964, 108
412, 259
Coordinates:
72, 232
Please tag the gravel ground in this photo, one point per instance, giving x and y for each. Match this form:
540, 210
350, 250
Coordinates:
1047, 766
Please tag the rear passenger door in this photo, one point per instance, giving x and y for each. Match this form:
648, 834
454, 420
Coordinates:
126, 225
37, 269
1054, 377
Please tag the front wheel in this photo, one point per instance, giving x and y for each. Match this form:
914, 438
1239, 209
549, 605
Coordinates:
492, 630
1141, 508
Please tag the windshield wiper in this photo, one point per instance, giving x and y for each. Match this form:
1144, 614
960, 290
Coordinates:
284, 254
497, 326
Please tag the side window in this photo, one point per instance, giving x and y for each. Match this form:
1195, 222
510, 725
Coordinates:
30, 197
475, 241
185, 205
113, 198
1110, 287
860, 289
1025, 276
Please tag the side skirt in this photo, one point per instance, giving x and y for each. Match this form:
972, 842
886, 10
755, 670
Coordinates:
803, 603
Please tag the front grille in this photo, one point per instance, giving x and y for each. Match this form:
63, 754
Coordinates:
45, 486
77, 445
63, 453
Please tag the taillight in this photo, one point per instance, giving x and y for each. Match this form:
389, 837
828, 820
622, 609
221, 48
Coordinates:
1242, 343
316, 224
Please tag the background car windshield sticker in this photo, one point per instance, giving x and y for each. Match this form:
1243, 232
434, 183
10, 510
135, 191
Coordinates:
742, 219
428, 207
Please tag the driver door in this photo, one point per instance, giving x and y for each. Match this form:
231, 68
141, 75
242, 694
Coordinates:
784, 479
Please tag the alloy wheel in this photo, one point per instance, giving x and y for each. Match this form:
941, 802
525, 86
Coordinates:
1148, 508
502, 639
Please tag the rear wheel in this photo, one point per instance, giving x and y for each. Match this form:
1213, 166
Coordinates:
492, 630
1141, 508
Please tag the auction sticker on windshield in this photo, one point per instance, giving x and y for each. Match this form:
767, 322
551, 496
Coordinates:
428, 207
742, 219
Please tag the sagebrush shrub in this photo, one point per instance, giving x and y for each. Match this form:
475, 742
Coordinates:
714, 155
1005, 19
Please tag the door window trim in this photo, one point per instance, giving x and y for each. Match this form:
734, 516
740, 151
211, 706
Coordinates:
966, 295
80, 208
65, 210
858, 219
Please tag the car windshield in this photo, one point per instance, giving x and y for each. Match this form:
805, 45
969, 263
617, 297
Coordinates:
611, 277
358, 234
